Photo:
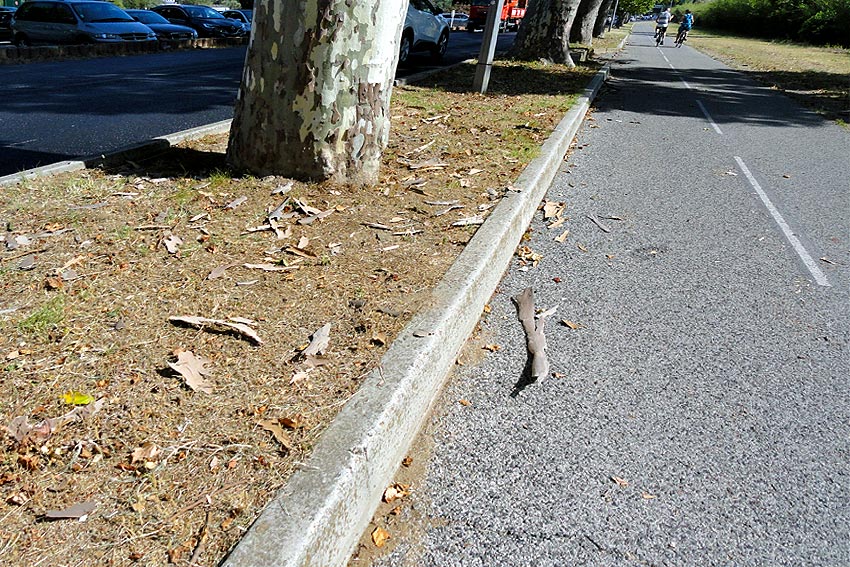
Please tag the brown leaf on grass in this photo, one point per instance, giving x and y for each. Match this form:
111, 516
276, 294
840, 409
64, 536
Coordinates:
193, 369
218, 271
236, 202
147, 452
75, 512
297, 251
562, 237
492, 348
172, 243
204, 322
570, 324
319, 341
464, 402
273, 427
267, 267
469, 221
380, 536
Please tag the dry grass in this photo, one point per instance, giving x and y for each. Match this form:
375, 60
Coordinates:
818, 76
177, 474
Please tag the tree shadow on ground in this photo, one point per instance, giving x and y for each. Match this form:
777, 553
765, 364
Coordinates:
172, 162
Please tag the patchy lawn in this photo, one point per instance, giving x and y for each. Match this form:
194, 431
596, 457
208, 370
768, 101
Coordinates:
134, 439
817, 76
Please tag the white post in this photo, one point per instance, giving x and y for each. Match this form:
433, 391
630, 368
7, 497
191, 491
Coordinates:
488, 46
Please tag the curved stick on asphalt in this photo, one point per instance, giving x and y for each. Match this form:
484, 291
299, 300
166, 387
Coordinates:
535, 339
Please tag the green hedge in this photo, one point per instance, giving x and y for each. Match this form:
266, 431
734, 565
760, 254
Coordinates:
823, 22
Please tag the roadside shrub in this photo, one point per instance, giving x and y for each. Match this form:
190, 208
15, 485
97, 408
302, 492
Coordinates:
812, 21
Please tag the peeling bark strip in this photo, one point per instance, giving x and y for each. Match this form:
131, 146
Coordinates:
315, 93
535, 339
545, 32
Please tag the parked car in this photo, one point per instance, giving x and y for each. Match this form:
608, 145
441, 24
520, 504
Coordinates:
241, 16
203, 19
165, 31
75, 21
6, 13
458, 22
424, 30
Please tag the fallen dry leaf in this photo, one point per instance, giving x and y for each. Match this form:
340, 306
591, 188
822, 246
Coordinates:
234, 324
464, 402
620, 481
273, 427
395, 492
492, 348
380, 536
193, 369
319, 341
552, 209
562, 237
147, 452
236, 202
648, 496
569, 324
172, 243
266, 267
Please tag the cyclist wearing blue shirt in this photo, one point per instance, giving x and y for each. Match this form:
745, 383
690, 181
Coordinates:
684, 27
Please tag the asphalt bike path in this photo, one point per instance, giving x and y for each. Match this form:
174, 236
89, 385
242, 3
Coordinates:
698, 414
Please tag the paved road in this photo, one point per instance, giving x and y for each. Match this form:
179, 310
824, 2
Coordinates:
709, 372
63, 110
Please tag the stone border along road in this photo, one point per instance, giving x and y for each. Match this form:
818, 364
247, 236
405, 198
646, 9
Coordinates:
319, 515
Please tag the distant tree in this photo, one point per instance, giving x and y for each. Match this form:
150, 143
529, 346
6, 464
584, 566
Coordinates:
601, 17
635, 6
315, 93
585, 21
545, 32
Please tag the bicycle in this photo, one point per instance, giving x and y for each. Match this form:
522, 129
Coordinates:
659, 36
681, 37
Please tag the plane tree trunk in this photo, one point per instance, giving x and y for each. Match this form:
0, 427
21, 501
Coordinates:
582, 28
601, 16
315, 92
545, 32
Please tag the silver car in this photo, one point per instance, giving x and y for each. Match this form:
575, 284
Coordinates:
75, 21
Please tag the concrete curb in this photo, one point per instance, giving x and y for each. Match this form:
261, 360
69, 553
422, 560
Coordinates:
135, 151
319, 515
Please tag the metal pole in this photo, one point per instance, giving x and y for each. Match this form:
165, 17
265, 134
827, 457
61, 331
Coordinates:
613, 14
488, 46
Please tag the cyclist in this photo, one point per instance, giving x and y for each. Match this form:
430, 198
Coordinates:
661, 23
684, 28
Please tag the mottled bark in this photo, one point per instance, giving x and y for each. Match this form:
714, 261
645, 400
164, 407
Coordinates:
599, 26
545, 32
315, 93
582, 28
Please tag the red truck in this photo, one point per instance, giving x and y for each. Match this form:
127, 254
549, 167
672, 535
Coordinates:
512, 12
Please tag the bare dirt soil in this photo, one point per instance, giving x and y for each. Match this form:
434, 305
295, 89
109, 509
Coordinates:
130, 438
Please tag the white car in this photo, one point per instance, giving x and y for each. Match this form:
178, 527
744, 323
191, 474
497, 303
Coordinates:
424, 30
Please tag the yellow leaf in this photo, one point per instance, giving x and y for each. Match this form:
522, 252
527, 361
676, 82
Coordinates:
75, 398
380, 536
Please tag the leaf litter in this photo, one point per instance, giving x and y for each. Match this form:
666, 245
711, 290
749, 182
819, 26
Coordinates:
107, 334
